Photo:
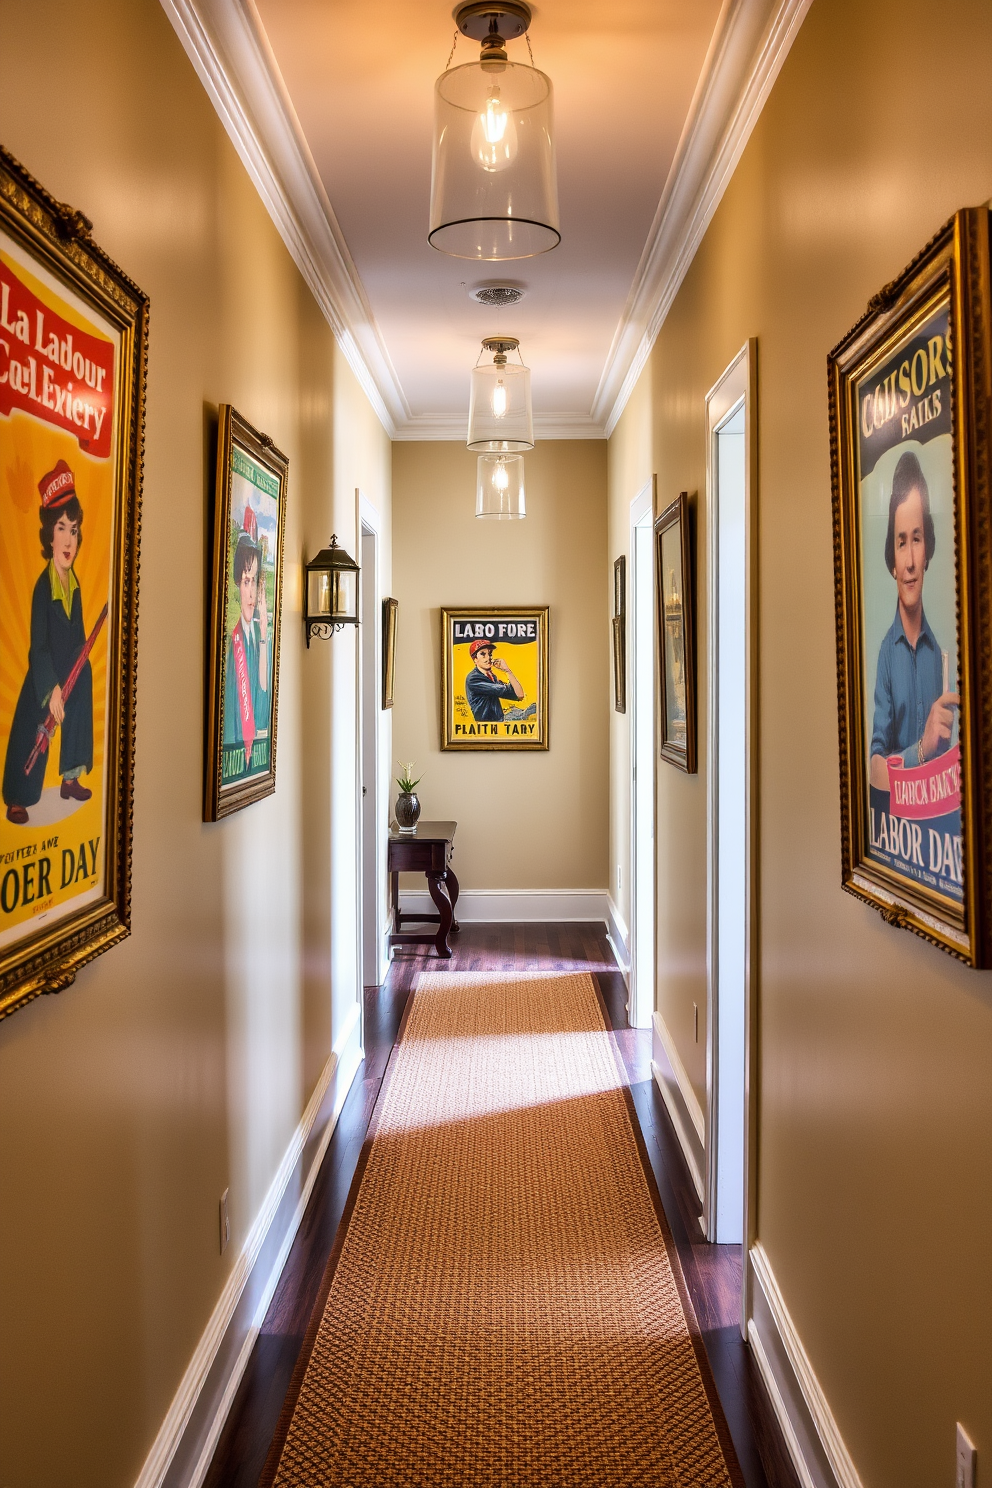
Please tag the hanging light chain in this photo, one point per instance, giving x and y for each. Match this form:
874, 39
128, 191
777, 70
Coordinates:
529, 47
454, 43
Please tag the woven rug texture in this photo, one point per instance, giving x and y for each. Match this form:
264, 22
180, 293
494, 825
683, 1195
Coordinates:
502, 1311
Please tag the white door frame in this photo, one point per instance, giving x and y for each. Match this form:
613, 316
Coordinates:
735, 388
642, 947
368, 523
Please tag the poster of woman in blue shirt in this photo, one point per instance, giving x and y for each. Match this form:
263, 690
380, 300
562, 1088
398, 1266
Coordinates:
910, 624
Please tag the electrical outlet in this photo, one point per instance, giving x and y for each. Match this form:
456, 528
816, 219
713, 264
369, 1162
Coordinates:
966, 1460
225, 1221
695, 1021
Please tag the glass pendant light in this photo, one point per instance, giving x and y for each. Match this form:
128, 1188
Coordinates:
500, 487
494, 193
500, 417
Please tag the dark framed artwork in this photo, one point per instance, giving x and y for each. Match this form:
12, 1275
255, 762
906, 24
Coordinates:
676, 639
390, 610
620, 634
494, 678
245, 617
910, 389
73, 353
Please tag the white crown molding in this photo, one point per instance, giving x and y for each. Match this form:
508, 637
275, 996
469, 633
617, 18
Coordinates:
423, 426
227, 45
750, 43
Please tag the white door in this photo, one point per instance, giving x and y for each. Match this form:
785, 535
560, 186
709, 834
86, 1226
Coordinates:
371, 643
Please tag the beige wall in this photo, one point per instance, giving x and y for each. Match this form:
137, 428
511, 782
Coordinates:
180, 1062
875, 1100
525, 821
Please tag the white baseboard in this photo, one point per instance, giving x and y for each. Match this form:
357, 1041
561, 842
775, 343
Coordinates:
495, 906
619, 937
680, 1099
815, 1444
181, 1453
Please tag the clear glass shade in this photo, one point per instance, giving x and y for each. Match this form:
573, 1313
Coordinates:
500, 487
331, 595
500, 417
494, 194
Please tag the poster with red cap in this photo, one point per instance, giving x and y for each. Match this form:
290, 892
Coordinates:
494, 674
59, 522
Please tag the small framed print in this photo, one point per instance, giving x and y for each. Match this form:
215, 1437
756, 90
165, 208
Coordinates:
245, 616
910, 408
676, 635
619, 664
620, 634
494, 678
390, 610
73, 353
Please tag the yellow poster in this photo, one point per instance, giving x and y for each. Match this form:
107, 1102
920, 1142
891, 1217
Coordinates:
495, 679
59, 366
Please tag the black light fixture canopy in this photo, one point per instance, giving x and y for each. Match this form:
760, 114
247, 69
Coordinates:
331, 594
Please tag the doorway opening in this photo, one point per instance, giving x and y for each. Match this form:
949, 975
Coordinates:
729, 1207
641, 608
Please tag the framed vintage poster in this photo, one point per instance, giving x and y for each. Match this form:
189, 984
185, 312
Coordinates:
73, 350
620, 634
675, 635
910, 443
390, 610
494, 678
244, 621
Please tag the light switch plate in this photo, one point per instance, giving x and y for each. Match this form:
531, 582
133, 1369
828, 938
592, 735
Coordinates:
965, 1461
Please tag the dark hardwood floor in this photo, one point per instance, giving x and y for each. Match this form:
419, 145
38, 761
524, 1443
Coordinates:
712, 1272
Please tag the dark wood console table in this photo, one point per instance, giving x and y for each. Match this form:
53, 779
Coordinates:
427, 851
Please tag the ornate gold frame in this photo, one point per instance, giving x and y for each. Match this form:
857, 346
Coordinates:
232, 430
954, 267
676, 514
541, 613
58, 236
390, 608
620, 634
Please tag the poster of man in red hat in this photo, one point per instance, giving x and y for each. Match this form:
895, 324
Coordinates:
494, 679
59, 517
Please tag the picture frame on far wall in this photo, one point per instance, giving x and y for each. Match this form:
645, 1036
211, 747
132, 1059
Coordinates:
620, 634
73, 357
676, 634
910, 394
494, 678
390, 611
245, 617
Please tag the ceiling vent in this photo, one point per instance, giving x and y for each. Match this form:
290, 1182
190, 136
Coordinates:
496, 296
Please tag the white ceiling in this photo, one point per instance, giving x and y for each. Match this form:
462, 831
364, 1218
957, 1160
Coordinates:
330, 104
361, 79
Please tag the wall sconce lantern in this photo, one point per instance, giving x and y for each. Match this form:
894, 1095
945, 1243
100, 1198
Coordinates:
331, 592
500, 417
494, 192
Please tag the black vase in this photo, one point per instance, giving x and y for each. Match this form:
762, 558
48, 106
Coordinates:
407, 811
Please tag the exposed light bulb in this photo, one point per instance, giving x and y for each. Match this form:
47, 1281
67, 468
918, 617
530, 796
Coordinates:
499, 399
494, 135
500, 478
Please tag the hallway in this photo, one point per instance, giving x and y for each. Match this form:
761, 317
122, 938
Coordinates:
712, 1273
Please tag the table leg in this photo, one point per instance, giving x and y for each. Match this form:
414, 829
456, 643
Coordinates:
435, 882
451, 884
395, 881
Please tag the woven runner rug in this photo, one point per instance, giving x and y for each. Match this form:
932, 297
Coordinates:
504, 1305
